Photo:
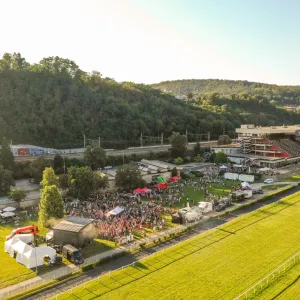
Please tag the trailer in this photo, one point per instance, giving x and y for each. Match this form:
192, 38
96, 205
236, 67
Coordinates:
231, 176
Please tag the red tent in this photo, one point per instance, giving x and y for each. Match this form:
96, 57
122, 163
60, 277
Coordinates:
162, 185
145, 190
175, 178
138, 191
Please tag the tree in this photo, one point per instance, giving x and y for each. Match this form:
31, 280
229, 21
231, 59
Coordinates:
94, 157
178, 144
37, 168
81, 182
174, 172
63, 181
17, 195
6, 156
6, 180
198, 158
49, 178
197, 149
224, 140
221, 157
58, 164
178, 161
51, 205
100, 182
128, 177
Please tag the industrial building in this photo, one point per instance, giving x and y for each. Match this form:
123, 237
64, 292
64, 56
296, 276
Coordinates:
75, 231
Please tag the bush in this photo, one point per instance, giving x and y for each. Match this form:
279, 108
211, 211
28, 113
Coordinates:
197, 173
88, 267
185, 175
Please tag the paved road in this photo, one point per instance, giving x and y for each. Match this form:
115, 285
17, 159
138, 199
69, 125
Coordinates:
128, 259
32, 190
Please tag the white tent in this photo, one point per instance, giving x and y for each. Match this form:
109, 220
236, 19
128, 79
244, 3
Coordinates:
7, 214
35, 256
245, 184
19, 247
9, 209
26, 238
8, 244
117, 210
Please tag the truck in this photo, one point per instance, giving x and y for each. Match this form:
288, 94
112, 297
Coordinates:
72, 254
31, 229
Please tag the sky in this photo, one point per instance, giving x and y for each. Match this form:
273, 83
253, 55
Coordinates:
149, 41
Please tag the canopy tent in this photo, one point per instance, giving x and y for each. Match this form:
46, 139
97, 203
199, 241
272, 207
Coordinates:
18, 247
223, 167
238, 166
8, 214
8, 244
264, 169
138, 191
162, 185
145, 190
35, 256
9, 209
245, 185
175, 178
161, 179
117, 210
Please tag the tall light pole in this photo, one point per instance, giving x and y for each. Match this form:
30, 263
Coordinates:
64, 165
36, 269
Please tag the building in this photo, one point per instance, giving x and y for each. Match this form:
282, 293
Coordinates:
270, 146
75, 231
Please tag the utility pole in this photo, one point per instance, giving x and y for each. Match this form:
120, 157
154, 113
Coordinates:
123, 156
162, 139
186, 133
99, 142
208, 136
84, 140
141, 139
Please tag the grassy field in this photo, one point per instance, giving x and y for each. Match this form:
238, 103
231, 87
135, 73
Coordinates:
286, 287
219, 264
195, 194
14, 272
273, 186
293, 178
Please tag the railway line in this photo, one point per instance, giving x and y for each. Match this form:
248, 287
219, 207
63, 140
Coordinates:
114, 152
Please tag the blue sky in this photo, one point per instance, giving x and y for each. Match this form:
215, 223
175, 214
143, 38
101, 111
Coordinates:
153, 40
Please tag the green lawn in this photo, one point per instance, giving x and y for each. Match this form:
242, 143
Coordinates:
293, 178
197, 195
96, 247
219, 264
273, 186
286, 287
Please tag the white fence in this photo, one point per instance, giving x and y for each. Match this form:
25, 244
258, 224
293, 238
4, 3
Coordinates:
270, 278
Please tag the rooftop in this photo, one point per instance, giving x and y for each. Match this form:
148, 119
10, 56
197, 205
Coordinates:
73, 224
250, 128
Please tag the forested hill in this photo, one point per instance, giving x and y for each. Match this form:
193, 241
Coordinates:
53, 103
280, 94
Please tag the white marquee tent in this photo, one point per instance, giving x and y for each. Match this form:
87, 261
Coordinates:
117, 210
35, 256
26, 238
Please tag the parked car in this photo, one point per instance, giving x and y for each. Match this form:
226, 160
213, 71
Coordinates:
269, 180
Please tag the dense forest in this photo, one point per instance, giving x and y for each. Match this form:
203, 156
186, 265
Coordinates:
53, 103
280, 95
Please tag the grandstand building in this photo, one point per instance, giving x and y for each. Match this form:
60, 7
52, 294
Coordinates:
270, 146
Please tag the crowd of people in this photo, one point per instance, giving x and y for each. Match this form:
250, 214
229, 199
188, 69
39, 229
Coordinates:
134, 215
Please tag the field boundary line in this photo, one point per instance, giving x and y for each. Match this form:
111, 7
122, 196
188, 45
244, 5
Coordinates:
262, 284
